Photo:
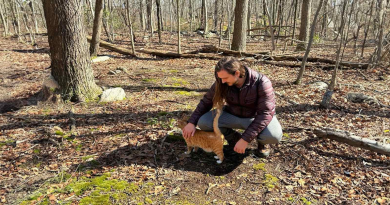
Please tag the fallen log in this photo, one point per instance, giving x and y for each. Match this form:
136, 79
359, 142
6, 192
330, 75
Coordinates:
125, 51
113, 47
353, 140
212, 49
321, 60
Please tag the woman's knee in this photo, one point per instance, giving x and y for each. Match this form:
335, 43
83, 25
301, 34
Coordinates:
205, 123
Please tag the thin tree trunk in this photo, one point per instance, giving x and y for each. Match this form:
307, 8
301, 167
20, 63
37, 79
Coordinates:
191, 14
25, 21
342, 15
295, 20
216, 15
130, 26
328, 94
204, 9
300, 75
377, 55
171, 15
33, 16
178, 27
97, 24
149, 8
3, 19
221, 25
141, 14
366, 29
325, 19
159, 20
305, 25
271, 30
248, 23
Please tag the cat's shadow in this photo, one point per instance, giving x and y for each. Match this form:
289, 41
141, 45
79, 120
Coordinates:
167, 154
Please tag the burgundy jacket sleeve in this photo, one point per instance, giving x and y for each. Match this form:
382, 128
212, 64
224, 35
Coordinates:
204, 106
265, 109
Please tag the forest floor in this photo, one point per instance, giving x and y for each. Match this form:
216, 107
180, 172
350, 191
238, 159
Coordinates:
126, 152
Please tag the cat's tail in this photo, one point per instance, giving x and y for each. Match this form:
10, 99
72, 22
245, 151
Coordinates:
217, 131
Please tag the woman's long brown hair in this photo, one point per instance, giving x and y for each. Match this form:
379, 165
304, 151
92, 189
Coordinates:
231, 65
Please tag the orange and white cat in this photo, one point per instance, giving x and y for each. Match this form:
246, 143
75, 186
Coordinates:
208, 141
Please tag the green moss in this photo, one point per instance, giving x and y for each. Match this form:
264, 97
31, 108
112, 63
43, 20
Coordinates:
37, 151
59, 133
148, 201
259, 166
162, 113
96, 200
79, 147
305, 201
7, 142
290, 199
149, 80
132, 188
120, 186
270, 181
179, 82
85, 158
186, 93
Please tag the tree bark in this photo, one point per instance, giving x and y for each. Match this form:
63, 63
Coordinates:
240, 26
31, 4
149, 10
300, 75
159, 20
178, 27
295, 20
353, 140
3, 19
366, 29
205, 23
271, 30
97, 25
305, 24
130, 26
378, 54
70, 60
216, 16
141, 14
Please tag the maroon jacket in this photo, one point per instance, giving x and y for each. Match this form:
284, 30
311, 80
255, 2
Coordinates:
255, 98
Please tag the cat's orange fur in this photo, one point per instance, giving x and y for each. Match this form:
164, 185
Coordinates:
208, 141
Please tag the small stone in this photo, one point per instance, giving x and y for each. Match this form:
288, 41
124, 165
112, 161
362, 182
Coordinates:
113, 94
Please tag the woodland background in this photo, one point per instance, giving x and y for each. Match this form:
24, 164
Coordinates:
62, 142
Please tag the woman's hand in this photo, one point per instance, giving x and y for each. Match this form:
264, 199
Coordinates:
188, 130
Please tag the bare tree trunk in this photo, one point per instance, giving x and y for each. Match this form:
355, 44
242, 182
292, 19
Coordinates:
312, 29
97, 25
328, 94
149, 10
130, 26
191, 14
111, 18
325, 19
3, 19
295, 20
105, 21
305, 25
33, 16
240, 27
141, 14
159, 20
271, 30
70, 59
342, 15
205, 22
366, 29
16, 22
25, 21
221, 25
89, 2
378, 53
248, 23
171, 15
178, 27
216, 15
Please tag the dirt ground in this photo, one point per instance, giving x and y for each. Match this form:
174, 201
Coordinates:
127, 152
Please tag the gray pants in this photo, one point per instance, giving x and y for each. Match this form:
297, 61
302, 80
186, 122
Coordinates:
272, 134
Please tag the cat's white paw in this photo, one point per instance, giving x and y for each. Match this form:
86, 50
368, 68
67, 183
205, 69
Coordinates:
219, 161
186, 153
216, 157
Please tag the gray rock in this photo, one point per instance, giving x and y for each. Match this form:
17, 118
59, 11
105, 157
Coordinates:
319, 85
361, 98
100, 59
113, 94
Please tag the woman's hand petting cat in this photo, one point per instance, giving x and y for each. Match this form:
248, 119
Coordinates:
188, 130
241, 146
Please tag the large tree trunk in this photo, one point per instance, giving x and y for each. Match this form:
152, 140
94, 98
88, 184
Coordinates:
97, 24
305, 25
300, 75
70, 60
240, 27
